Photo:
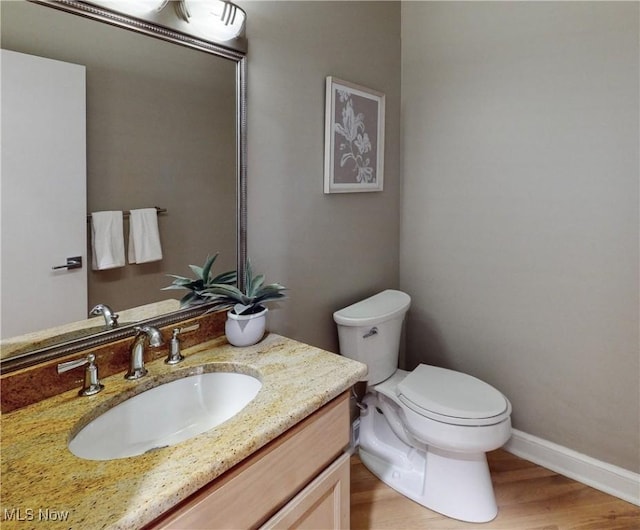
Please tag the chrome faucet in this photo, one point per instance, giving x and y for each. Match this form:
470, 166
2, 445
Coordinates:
136, 362
110, 318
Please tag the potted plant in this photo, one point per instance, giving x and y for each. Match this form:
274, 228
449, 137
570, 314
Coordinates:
204, 278
246, 315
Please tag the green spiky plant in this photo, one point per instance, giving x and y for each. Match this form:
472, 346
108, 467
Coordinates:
256, 293
204, 279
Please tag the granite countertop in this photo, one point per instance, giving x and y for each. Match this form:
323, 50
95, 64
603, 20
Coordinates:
45, 486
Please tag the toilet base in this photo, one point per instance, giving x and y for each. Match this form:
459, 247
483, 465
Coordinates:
457, 485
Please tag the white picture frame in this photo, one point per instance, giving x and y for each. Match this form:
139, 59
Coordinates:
354, 138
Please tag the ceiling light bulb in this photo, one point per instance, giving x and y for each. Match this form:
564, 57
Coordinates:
150, 5
216, 18
132, 7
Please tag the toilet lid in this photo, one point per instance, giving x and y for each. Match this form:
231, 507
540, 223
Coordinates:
451, 396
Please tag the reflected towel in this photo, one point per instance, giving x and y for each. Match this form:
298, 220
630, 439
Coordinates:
107, 240
144, 236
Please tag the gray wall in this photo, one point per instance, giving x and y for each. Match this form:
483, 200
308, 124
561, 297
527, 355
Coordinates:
519, 238
330, 250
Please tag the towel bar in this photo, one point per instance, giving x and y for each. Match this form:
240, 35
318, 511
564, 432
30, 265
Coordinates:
126, 214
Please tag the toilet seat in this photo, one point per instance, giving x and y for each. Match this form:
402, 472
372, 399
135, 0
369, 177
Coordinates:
452, 397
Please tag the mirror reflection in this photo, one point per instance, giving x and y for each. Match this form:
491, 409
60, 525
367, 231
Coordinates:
160, 131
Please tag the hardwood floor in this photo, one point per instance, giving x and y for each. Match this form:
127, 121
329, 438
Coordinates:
529, 497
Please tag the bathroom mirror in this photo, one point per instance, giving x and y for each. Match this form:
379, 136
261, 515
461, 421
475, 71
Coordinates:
210, 80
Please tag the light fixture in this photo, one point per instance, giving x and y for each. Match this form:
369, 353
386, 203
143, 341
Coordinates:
132, 7
219, 19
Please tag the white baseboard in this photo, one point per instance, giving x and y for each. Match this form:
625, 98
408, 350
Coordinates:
611, 479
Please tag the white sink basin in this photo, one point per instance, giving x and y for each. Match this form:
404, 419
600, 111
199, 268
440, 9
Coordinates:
165, 415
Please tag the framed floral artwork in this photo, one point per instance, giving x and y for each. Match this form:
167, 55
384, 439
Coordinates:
354, 138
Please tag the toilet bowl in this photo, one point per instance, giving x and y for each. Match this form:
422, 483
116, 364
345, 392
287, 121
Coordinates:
425, 432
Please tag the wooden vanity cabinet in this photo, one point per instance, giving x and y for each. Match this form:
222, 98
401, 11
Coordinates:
299, 480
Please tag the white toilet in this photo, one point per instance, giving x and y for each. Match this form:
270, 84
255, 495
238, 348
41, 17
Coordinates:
424, 433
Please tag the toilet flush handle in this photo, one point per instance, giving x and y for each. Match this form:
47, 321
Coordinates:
373, 331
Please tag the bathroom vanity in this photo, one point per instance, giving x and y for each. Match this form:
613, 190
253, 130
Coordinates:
278, 462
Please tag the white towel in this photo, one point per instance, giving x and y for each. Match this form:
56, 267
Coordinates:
144, 236
107, 240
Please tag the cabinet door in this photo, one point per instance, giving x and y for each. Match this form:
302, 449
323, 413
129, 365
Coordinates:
324, 503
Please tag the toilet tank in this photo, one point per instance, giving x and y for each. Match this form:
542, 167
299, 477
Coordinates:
369, 332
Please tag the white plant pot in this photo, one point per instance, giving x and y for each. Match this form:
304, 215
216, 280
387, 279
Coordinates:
245, 330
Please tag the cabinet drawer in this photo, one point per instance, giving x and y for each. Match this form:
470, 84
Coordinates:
322, 504
247, 495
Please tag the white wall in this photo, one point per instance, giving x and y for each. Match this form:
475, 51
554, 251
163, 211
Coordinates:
519, 220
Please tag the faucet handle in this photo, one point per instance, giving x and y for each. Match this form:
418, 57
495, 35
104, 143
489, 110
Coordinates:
70, 365
91, 381
174, 356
